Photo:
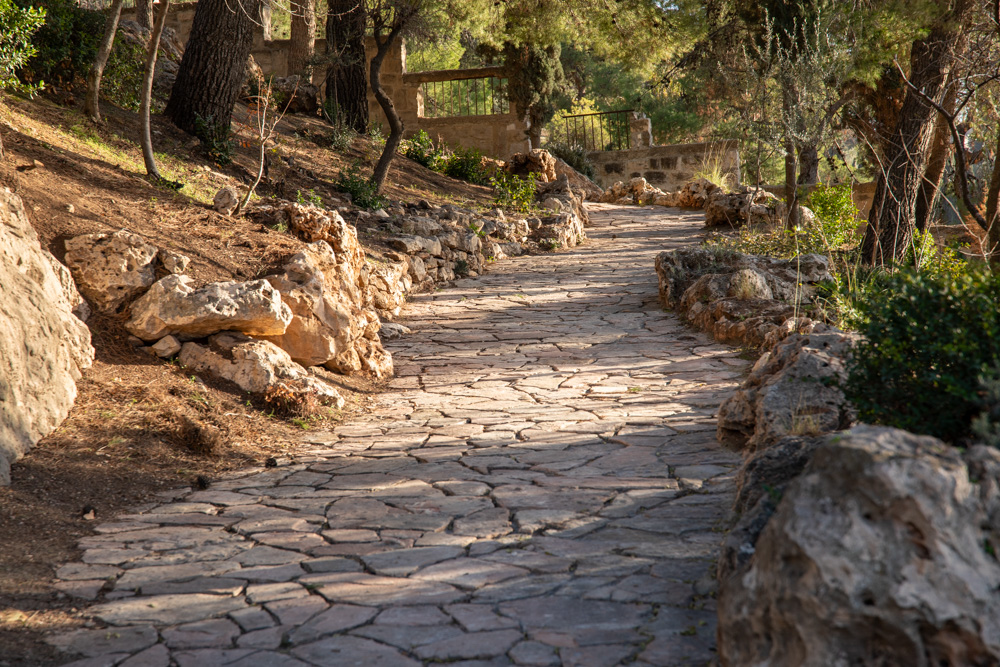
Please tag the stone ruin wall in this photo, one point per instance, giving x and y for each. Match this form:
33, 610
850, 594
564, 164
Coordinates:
665, 167
499, 135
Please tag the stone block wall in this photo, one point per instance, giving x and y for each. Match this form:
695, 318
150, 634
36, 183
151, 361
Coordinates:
665, 167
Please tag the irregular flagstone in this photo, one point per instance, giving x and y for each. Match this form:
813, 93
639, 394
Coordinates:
540, 485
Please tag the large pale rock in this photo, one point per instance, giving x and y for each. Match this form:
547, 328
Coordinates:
578, 181
255, 366
328, 316
695, 193
793, 389
111, 268
538, 162
44, 347
741, 207
172, 306
881, 553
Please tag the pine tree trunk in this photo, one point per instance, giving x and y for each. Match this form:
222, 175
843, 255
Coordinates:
302, 44
395, 122
144, 13
808, 165
91, 103
936, 161
214, 66
346, 82
893, 213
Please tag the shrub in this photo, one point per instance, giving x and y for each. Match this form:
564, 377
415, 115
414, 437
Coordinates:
836, 214
512, 191
121, 83
16, 28
574, 156
215, 139
363, 192
420, 148
66, 44
928, 340
925, 254
467, 165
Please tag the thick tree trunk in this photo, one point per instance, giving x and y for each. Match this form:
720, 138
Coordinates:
395, 122
993, 207
91, 104
346, 82
144, 13
152, 50
937, 160
808, 165
214, 66
892, 216
302, 44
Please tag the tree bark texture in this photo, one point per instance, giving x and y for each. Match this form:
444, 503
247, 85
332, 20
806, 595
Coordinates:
937, 160
302, 44
892, 216
144, 13
152, 50
346, 82
808, 165
214, 66
395, 122
91, 103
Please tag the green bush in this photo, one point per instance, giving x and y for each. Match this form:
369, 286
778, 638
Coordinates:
66, 44
574, 156
216, 139
420, 148
121, 83
363, 192
929, 338
836, 214
16, 28
467, 165
511, 191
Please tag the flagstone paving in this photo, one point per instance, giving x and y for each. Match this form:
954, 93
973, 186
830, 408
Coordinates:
540, 486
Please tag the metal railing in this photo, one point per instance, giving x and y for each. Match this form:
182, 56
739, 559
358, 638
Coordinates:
603, 131
465, 97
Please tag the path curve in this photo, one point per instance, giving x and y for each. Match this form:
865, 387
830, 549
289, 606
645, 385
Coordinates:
540, 486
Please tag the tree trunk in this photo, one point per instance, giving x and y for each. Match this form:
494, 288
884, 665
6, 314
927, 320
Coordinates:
152, 49
937, 160
302, 44
892, 216
346, 83
214, 66
91, 104
144, 13
808, 165
791, 189
993, 207
395, 122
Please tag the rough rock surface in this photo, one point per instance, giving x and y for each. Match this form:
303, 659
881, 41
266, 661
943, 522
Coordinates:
111, 268
881, 552
255, 366
695, 193
794, 389
226, 200
637, 191
578, 181
298, 95
538, 161
743, 206
173, 306
44, 347
328, 314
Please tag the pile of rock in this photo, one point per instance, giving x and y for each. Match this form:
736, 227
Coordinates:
746, 205
637, 191
740, 298
548, 168
44, 344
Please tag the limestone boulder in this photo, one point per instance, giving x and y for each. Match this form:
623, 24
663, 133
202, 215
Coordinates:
695, 193
44, 347
226, 200
388, 284
173, 306
255, 366
881, 552
592, 191
110, 269
538, 161
743, 206
297, 94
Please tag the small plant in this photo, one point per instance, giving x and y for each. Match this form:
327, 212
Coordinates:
461, 268
292, 405
308, 197
549, 244
420, 148
376, 134
574, 156
928, 341
466, 164
215, 139
363, 192
514, 192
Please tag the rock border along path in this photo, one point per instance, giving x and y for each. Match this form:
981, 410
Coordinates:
540, 486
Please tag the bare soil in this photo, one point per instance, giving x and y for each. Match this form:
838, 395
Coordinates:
126, 438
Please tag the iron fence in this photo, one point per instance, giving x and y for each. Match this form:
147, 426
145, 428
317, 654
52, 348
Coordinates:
602, 131
482, 96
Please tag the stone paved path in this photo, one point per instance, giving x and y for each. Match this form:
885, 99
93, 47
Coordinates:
542, 486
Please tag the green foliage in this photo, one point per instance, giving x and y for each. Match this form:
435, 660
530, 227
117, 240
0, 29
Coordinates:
364, 193
66, 44
461, 268
467, 165
986, 426
928, 340
835, 212
928, 257
420, 148
308, 197
17, 25
121, 83
574, 156
512, 191
215, 139
377, 135
841, 301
